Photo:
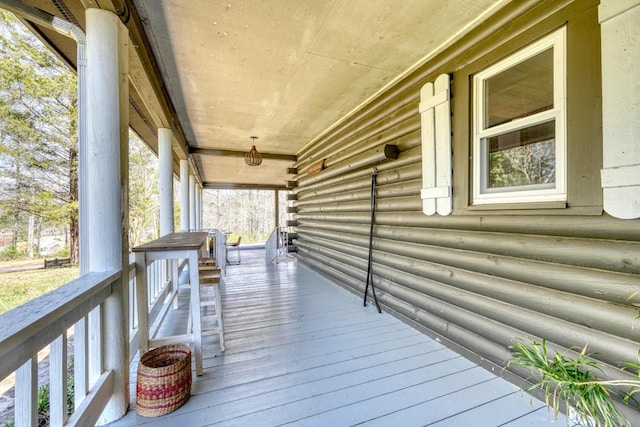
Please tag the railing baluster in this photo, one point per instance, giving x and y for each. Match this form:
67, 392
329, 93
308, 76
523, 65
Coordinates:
26, 398
175, 284
95, 346
26, 330
80, 361
58, 381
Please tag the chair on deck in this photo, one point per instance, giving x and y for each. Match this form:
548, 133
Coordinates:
236, 245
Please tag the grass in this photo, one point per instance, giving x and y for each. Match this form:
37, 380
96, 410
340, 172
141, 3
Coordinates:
18, 287
574, 382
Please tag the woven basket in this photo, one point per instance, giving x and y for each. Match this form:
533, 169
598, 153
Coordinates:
163, 380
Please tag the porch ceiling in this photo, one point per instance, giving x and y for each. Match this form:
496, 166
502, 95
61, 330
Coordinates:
283, 70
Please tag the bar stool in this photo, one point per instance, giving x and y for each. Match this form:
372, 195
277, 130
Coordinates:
210, 299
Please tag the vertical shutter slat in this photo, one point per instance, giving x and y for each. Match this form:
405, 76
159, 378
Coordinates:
436, 147
428, 149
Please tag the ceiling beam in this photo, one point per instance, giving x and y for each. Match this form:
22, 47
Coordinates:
231, 186
234, 153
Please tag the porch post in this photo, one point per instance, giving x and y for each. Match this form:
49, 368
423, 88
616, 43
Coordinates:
198, 207
620, 175
276, 208
201, 211
107, 179
184, 195
192, 202
166, 181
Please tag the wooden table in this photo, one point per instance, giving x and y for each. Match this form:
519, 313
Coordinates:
184, 245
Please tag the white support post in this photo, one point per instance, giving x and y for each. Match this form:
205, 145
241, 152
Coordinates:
192, 202
166, 180
184, 195
197, 207
620, 31
81, 329
276, 208
107, 150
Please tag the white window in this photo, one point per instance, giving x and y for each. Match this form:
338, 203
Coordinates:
519, 148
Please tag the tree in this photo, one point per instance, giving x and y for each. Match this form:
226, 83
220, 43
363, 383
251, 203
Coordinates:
528, 164
144, 199
38, 137
246, 213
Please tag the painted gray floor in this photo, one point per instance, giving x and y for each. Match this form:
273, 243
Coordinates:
303, 351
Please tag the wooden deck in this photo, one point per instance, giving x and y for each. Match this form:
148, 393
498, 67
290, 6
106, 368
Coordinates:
303, 351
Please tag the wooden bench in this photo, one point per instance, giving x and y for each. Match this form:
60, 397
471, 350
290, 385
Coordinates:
57, 262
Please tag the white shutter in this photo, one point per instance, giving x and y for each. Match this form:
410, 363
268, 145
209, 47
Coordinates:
435, 118
620, 30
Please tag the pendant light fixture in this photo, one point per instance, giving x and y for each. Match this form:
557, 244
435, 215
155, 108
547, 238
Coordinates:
253, 158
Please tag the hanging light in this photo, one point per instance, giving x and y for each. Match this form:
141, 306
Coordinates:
253, 158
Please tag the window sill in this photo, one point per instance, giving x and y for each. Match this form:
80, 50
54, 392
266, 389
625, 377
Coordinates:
518, 206
539, 208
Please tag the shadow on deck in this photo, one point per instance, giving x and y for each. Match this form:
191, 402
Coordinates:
303, 351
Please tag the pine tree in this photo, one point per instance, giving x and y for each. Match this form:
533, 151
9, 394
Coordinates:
38, 138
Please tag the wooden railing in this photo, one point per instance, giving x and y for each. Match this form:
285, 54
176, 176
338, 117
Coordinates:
74, 310
46, 321
276, 245
220, 249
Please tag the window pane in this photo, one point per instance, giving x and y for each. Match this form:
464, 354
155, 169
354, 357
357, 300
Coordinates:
520, 91
523, 157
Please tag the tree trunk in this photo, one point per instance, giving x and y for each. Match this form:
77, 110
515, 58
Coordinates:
74, 235
31, 234
38, 236
16, 215
32, 223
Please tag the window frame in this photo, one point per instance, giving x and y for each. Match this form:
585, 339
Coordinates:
481, 195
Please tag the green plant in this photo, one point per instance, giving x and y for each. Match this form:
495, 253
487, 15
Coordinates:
10, 252
574, 383
44, 403
62, 253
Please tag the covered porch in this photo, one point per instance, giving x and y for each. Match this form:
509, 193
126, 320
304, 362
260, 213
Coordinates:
301, 350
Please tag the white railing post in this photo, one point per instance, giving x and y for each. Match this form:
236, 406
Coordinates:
26, 397
142, 301
221, 251
107, 145
276, 243
58, 381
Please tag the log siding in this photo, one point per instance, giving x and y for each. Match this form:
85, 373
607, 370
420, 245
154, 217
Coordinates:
480, 280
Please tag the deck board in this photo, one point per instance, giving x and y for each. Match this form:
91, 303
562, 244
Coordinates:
302, 351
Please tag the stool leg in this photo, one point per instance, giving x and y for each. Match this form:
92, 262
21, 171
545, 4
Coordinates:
194, 279
218, 297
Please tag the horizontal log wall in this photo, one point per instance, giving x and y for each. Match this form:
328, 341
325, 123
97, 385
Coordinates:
479, 281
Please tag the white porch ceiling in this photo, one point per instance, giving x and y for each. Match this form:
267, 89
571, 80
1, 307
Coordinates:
287, 70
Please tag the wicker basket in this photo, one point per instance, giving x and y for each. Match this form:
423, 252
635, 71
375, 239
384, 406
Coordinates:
163, 380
